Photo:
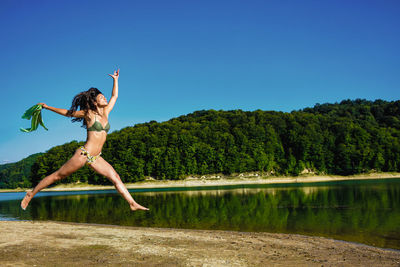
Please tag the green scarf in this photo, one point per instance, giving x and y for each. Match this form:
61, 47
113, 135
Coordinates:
36, 113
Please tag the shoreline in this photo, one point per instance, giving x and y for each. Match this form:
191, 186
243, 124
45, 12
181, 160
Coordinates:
53, 243
217, 180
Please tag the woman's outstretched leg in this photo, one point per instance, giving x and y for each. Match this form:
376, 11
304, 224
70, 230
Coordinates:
76, 162
102, 167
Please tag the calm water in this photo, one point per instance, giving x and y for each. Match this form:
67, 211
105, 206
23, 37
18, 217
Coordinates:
365, 211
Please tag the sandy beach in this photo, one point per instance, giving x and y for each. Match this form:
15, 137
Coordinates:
252, 178
48, 243
42, 243
218, 180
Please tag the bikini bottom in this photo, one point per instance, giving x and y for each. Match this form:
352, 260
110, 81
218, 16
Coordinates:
90, 159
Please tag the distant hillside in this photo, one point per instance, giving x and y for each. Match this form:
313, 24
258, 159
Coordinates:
13, 175
349, 137
385, 114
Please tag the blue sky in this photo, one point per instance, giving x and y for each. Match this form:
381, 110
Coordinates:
176, 57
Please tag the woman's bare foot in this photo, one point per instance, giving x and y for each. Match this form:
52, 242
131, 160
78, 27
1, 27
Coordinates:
136, 206
26, 200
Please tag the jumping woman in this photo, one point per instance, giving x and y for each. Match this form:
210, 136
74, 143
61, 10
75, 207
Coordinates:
93, 111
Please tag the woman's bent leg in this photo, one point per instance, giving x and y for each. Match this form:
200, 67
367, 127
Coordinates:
102, 167
76, 162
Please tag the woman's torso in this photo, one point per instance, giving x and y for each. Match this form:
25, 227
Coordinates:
96, 132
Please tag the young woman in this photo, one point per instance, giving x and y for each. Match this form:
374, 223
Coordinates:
93, 111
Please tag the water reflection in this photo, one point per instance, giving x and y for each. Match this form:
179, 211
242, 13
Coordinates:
362, 212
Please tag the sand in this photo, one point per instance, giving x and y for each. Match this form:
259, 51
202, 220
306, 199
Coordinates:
218, 180
44, 243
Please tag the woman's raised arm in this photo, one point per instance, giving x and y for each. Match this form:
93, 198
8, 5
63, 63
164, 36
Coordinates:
62, 111
114, 94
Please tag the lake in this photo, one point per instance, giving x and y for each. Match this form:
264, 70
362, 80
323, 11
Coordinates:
364, 211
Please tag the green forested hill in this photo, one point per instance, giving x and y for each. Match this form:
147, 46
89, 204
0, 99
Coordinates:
350, 137
13, 175
386, 114
344, 138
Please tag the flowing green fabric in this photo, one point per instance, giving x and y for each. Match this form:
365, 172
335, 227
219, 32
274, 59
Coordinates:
35, 112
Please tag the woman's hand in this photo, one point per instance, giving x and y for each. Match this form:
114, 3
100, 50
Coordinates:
43, 105
116, 75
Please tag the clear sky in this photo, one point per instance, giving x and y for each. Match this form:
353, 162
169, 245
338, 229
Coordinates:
176, 57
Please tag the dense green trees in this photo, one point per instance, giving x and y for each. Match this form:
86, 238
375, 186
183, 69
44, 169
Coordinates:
13, 175
345, 138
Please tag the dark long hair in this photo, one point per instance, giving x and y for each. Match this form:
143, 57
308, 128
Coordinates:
84, 100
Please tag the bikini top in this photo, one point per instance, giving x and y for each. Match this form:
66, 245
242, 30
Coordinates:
96, 126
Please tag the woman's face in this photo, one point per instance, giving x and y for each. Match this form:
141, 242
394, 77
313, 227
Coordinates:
101, 100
